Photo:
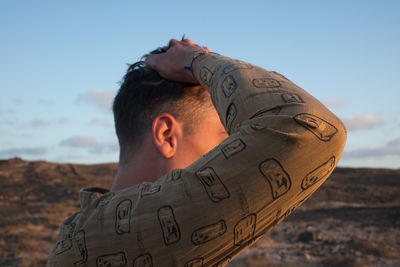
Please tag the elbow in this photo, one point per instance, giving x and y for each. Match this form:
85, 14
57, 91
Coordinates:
323, 138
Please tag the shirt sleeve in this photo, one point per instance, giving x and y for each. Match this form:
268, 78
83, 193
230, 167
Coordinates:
282, 145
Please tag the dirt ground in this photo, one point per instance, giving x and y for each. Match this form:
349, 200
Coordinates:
352, 220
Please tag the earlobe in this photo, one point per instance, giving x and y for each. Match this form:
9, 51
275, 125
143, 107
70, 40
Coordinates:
164, 131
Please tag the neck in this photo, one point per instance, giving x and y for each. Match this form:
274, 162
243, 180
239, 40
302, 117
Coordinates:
142, 167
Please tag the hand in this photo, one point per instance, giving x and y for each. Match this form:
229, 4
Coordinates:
171, 64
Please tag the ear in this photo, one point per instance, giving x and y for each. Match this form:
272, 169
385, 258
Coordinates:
165, 134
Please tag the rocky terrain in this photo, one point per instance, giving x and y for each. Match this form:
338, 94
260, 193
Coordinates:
352, 220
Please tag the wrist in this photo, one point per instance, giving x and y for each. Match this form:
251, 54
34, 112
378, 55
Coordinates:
195, 56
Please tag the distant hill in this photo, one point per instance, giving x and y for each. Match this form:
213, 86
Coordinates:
352, 220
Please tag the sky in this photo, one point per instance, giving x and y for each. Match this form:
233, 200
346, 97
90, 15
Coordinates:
61, 63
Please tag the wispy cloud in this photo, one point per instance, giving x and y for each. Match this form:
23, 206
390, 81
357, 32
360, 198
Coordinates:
105, 148
6, 111
8, 122
98, 97
22, 151
62, 120
335, 103
45, 102
361, 122
17, 101
38, 123
90, 143
79, 141
391, 148
101, 122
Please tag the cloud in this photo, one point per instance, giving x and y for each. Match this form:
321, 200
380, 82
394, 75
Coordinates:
105, 148
79, 141
7, 111
101, 122
45, 102
391, 148
360, 122
13, 152
91, 144
17, 101
38, 123
8, 122
335, 103
62, 120
99, 97
394, 144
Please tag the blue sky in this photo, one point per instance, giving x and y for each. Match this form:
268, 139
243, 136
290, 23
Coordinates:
60, 64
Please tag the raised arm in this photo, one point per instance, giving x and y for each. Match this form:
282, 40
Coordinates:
283, 144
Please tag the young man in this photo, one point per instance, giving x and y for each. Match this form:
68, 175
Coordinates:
170, 204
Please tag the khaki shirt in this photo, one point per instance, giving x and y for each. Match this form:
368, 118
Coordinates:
282, 145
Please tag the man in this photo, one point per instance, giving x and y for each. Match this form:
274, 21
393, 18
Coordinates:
170, 206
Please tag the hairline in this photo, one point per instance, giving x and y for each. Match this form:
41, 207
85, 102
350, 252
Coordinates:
185, 117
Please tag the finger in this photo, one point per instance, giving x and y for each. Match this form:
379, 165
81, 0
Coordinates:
173, 42
188, 41
151, 61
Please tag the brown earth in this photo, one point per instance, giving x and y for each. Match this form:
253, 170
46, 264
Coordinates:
352, 220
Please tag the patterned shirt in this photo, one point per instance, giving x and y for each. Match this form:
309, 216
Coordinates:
282, 145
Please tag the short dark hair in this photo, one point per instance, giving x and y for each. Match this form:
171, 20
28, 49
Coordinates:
144, 95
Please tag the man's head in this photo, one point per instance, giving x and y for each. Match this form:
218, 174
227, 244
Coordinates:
146, 101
